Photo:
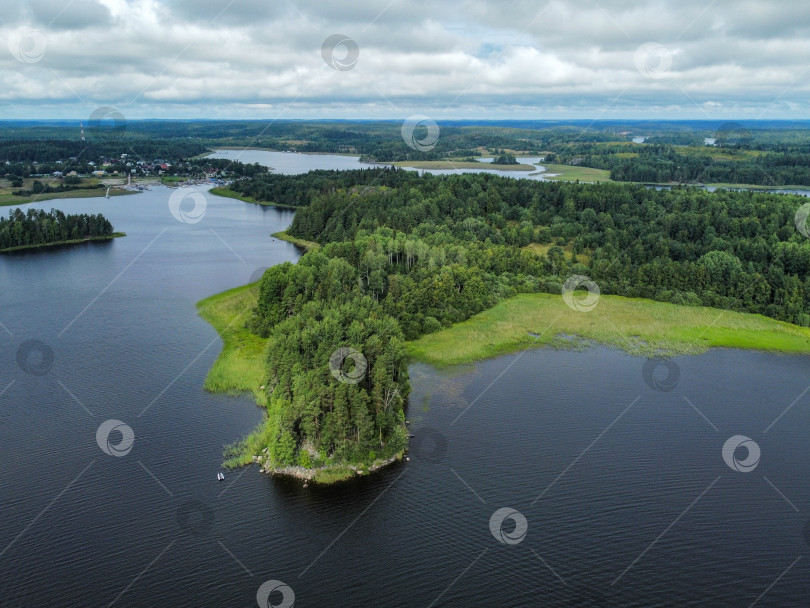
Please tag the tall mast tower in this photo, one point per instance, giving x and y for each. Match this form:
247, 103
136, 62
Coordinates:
81, 127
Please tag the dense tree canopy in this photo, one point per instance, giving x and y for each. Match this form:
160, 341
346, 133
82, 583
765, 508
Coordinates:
404, 255
37, 227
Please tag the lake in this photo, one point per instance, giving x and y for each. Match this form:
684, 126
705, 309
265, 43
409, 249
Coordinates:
617, 494
288, 163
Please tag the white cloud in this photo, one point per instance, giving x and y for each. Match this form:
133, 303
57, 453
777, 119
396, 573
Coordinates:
515, 58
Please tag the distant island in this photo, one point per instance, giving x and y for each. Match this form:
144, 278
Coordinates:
38, 228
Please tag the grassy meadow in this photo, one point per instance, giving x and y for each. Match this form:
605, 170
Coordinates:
637, 326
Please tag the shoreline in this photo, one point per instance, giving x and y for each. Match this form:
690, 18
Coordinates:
300, 243
329, 474
239, 369
637, 326
228, 193
90, 239
68, 194
652, 329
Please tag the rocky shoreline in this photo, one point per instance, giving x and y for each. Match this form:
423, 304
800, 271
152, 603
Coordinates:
306, 475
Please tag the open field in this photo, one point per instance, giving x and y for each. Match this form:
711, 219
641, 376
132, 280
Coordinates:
638, 326
7, 198
572, 173
541, 249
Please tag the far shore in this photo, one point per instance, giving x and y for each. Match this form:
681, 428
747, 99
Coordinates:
89, 239
10, 200
457, 164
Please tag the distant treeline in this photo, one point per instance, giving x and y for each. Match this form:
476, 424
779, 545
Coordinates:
767, 153
764, 165
51, 150
37, 227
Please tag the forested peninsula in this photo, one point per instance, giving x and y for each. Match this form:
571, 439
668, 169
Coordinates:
38, 228
402, 256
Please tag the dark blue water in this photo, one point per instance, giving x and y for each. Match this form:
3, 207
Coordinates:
624, 490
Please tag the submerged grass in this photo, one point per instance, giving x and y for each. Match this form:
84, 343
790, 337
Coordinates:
306, 245
240, 366
637, 326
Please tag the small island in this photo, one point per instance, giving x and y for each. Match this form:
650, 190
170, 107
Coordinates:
38, 228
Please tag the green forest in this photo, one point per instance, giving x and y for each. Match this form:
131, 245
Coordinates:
38, 227
405, 255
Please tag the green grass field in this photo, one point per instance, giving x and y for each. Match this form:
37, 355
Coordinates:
7, 199
640, 327
541, 249
307, 245
240, 366
572, 173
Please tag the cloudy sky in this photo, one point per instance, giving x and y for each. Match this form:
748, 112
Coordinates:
537, 59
